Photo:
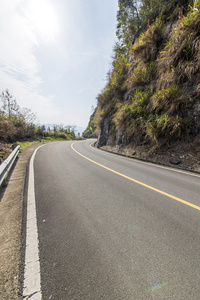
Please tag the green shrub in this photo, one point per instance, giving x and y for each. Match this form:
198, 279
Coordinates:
133, 116
168, 99
166, 128
141, 75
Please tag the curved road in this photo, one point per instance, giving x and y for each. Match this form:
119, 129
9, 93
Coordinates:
110, 227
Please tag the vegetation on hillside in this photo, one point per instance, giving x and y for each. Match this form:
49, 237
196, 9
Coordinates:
91, 128
154, 84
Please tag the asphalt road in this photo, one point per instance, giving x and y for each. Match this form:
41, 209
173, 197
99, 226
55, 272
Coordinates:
114, 228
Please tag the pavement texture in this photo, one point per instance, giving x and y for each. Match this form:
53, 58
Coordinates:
106, 236
12, 199
12, 228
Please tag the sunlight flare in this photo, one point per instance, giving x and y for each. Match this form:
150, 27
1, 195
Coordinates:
43, 19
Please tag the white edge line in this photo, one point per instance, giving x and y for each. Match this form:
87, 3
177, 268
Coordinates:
32, 280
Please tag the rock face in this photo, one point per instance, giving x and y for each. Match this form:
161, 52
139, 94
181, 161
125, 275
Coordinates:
196, 117
175, 161
119, 137
104, 132
106, 138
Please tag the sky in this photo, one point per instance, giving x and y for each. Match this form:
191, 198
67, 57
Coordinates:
55, 55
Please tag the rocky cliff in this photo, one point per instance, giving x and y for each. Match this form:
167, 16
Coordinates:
153, 94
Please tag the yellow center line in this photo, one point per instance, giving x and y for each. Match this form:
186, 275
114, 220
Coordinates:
138, 182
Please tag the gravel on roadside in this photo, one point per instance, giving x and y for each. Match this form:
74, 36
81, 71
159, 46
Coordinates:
11, 227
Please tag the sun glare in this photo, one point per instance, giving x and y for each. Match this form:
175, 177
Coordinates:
43, 19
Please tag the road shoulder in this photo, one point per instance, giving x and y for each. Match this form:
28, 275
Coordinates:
11, 212
187, 159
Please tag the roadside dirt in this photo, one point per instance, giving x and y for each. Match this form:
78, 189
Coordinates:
11, 212
180, 155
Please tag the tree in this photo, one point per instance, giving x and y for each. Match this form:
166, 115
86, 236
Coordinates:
166, 9
10, 105
128, 24
134, 16
16, 123
28, 116
7, 130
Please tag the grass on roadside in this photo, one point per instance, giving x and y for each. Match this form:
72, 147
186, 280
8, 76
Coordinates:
25, 144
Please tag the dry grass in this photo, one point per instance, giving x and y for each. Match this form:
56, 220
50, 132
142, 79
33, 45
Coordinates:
179, 62
152, 97
146, 46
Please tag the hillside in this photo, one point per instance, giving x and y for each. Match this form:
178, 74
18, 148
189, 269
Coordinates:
151, 102
90, 130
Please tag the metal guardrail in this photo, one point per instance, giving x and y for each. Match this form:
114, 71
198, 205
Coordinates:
7, 164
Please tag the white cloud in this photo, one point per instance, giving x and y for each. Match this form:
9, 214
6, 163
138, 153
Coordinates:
19, 68
25, 95
41, 18
18, 42
54, 55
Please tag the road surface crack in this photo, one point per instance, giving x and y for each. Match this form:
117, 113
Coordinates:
26, 297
